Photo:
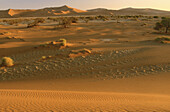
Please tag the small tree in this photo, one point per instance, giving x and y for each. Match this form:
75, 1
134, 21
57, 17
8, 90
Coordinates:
164, 24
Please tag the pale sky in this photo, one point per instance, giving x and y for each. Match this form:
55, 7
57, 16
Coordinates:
85, 4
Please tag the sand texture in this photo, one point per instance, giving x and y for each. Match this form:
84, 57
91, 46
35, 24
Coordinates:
105, 66
78, 95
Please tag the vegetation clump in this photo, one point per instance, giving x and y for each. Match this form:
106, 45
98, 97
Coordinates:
31, 25
63, 42
36, 22
162, 39
164, 25
85, 51
43, 57
156, 17
82, 52
7, 61
65, 22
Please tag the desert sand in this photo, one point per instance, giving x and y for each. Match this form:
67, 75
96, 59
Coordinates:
126, 71
145, 93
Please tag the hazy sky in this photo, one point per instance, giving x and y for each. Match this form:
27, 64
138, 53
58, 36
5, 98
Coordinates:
85, 4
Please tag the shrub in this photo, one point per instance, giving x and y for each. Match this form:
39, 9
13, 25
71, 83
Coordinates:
30, 25
162, 39
53, 19
86, 51
63, 42
104, 18
13, 21
43, 57
90, 18
155, 17
86, 20
7, 61
74, 19
36, 22
164, 24
65, 22
39, 20
83, 51
163, 17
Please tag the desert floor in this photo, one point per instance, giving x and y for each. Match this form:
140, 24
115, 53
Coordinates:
127, 70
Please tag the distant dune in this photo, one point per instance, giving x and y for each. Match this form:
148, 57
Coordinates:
144, 11
15, 12
53, 11
66, 10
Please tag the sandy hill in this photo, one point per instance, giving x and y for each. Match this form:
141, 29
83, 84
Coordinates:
17, 12
4, 14
14, 12
144, 11
129, 11
100, 11
52, 11
66, 10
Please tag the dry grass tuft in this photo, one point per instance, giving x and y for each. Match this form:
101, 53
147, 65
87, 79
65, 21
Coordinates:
7, 61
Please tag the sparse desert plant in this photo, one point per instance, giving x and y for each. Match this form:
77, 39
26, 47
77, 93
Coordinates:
31, 25
85, 51
39, 20
13, 21
81, 52
9, 37
65, 22
63, 42
86, 20
43, 57
53, 19
104, 18
7, 61
90, 18
156, 17
74, 19
36, 22
161, 39
43, 45
144, 24
163, 25
163, 17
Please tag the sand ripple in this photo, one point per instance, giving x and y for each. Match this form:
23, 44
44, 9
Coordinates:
38, 100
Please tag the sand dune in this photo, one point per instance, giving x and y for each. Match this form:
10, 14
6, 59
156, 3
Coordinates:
20, 100
146, 94
66, 10
51, 11
14, 12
